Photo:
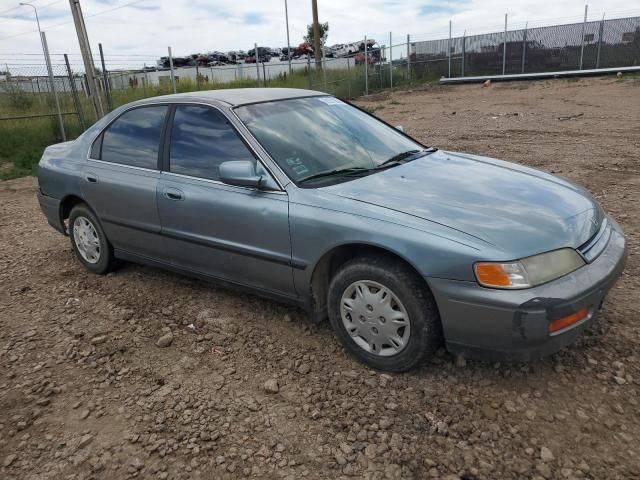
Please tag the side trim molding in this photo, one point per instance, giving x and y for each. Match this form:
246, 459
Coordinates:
229, 247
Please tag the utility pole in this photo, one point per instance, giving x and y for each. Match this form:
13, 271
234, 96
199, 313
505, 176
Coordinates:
286, 18
87, 58
316, 33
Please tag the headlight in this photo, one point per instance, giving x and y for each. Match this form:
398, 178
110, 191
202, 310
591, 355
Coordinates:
530, 271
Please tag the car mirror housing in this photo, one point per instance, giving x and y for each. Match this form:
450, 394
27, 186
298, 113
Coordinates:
240, 173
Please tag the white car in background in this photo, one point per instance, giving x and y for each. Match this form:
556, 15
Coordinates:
343, 49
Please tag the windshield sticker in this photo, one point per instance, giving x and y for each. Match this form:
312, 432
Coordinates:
296, 165
330, 101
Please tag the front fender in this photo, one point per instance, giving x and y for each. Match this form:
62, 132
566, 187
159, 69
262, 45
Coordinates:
433, 250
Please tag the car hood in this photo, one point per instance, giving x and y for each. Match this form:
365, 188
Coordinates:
519, 210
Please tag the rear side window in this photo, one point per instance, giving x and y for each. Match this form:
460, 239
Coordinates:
201, 139
134, 138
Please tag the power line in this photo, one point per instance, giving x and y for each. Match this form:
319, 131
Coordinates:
10, 9
49, 27
40, 8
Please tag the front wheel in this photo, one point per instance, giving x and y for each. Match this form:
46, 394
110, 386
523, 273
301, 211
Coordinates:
89, 241
384, 314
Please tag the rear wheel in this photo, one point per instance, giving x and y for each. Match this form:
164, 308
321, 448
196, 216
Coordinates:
88, 240
383, 313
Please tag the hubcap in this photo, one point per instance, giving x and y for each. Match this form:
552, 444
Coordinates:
86, 239
374, 318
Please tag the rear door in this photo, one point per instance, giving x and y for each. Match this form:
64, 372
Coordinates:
232, 233
120, 178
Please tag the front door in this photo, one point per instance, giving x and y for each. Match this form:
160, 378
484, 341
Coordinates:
232, 233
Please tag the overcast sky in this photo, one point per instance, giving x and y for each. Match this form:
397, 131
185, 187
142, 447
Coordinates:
147, 27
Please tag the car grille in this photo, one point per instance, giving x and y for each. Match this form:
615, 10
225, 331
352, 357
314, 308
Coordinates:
596, 244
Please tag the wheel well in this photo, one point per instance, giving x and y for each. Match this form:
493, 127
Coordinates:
329, 264
67, 205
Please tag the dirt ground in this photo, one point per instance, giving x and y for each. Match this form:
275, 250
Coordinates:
85, 392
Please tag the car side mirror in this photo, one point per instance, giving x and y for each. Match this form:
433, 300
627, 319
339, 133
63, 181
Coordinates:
400, 127
241, 173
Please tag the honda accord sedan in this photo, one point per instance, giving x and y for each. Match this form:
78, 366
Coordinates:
299, 196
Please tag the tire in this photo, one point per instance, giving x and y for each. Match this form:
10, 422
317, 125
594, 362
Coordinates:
85, 229
410, 301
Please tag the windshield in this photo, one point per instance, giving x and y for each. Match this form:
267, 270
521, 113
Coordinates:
314, 135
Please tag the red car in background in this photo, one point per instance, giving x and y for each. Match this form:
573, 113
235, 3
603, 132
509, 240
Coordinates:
373, 56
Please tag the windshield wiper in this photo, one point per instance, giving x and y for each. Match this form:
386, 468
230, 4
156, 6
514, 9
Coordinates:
392, 162
336, 172
401, 157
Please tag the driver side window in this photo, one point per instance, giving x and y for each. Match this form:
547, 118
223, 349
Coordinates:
201, 139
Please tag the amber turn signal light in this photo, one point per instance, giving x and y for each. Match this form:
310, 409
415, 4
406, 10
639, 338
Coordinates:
564, 322
492, 274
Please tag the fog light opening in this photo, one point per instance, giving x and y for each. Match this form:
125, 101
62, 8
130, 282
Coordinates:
564, 322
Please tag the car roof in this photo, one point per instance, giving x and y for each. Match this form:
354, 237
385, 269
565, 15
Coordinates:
235, 96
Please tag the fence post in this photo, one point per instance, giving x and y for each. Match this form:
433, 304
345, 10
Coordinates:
584, 24
408, 58
366, 68
105, 75
173, 78
600, 33
264, 76
53, 87
197, 77
324, 67
464, 51
255, 55
449, 52
524, 47
309, 71
74, 93
504, 46
390, 62
380, 71
349, 77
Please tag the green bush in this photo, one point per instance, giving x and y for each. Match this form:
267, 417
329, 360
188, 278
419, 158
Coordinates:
17, 98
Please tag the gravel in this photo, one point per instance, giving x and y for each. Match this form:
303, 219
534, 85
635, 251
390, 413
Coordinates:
250, 389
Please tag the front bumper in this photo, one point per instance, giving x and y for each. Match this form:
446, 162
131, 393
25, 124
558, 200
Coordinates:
51, 208
512, 325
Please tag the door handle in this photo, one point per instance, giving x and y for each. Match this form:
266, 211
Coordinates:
91, 178
173, 194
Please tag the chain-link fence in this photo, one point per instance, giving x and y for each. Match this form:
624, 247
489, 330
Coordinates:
577, 46
38, 107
